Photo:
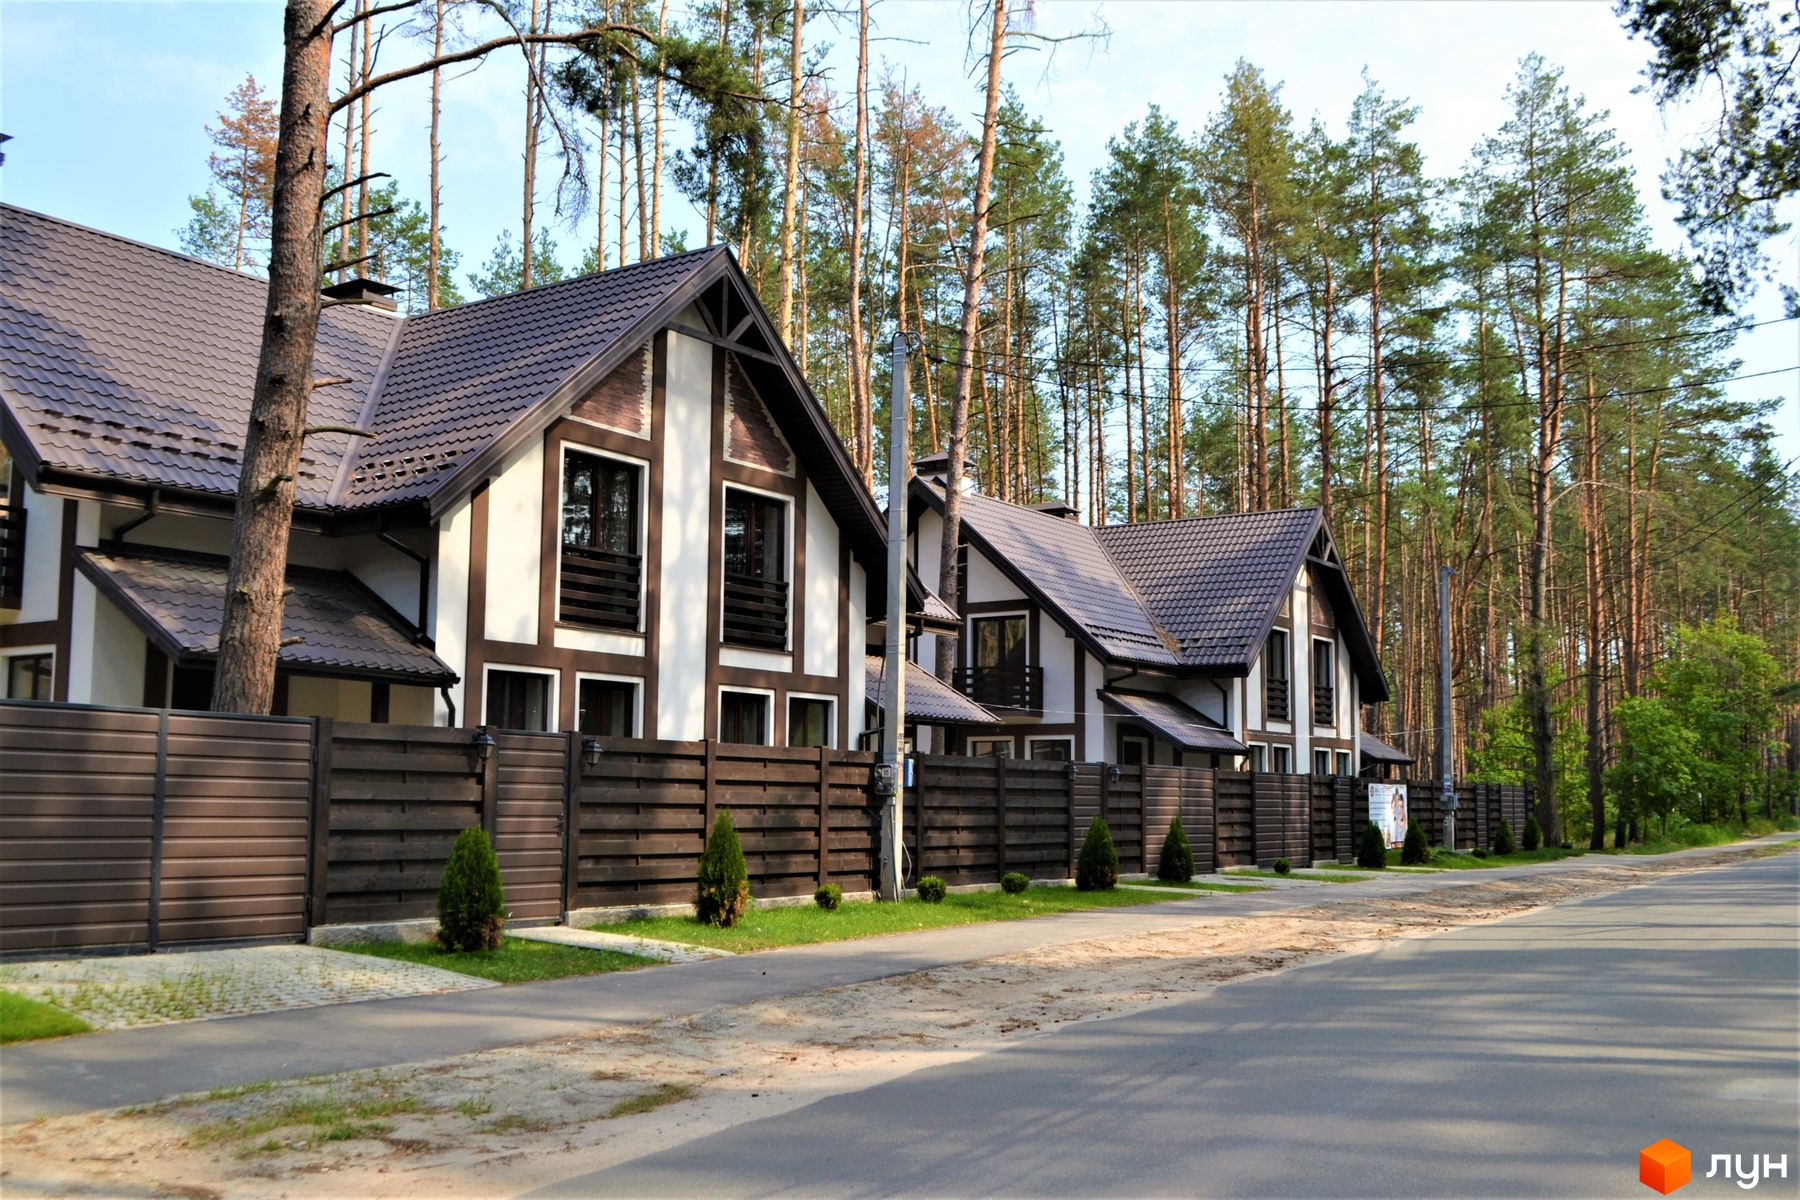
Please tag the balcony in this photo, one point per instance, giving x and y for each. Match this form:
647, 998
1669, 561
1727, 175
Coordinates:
1324, 706
600, 588
1017, 688
12, 554
756, 612
1275, 700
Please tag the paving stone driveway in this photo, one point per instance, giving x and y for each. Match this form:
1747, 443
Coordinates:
156, 989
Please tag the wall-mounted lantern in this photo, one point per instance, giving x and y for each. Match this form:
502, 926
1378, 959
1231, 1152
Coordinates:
1070, 771
1112, 773
484, 747
591, 750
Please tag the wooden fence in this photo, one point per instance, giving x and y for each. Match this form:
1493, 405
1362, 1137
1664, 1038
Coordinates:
142, 827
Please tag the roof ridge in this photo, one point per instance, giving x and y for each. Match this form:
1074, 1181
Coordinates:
1163, 522
136, 243
589, 277
353, 446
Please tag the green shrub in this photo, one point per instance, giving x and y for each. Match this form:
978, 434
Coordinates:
1013, 882
723, 892
1371, 850
1414, 852
829, 897
1503, 840
1097, 869
931, 889
1534, 837
1479, 852
471, 904
1283, 866
1177, 862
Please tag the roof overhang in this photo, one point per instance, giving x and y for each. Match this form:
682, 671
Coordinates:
928, 700
1175, 720
1375, 750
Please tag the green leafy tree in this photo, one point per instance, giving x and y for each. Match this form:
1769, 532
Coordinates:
1654, 773
400, 240
211, 233
504, 272
1722, 683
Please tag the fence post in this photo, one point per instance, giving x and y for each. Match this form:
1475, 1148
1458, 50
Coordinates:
1000, 817
158, 817
490, 794
706, 793
1144, 818
824, 815
318, 864
1072, 776
570, 819
918, 855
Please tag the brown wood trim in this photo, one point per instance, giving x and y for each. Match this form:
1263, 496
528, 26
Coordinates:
850, 695
474, 701
790, 485
1081, 699
65, 603
797, 588
550, 556
982, 607
715, 549
29, 633
156, 676
747, 677
604, 437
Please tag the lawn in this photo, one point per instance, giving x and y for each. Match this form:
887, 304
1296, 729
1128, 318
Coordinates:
768, 928
1313, 876
1194, 885
516, 961
23, 1020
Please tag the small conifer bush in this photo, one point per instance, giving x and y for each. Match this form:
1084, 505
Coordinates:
1014, 882
1503, 839
1371, 851
1414, 852
723, 892
1479, 852
1534, 836
829, 897
471, 904
931, 889
1177, 862
1097, 869
1283, 866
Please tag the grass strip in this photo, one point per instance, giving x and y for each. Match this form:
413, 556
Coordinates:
1195, 885
1311, 876
25, 1020
518, 960
769, 928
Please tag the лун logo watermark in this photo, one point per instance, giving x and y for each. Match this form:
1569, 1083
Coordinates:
1665, 1165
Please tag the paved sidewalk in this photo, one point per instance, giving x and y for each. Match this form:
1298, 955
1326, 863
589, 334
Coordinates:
139, 1066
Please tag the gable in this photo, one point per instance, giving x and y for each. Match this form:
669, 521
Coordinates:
752, 438
621, 401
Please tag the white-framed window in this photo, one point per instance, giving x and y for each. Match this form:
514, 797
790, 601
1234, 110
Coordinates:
746, 716
1321, 762
609, 705
1259, 756
1277, 668
1343, 763
1324, 681
521, 698
811, 719
990, 747
1054, 749
600, 567
758, 556
1281, 760
28, 673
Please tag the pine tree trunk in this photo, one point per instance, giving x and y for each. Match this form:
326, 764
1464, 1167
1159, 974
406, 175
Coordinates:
785, 286
859, 351
347, 197
1172, 334
434, 244
255, 588
528, 198
362, 146
662, 25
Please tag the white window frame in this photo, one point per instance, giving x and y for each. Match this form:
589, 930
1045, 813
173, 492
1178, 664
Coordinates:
990, 742
968, 637
831, 719
552, 706
643, 530
637, 697
1275, 750
1336, 691
1327, 765
1031, 745
768, 733
12, 652
1344, 764
1259, 757
787, 541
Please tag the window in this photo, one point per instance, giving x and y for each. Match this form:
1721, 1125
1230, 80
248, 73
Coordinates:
1050, 749
518, 700
606, 707
1343, 762
990, 747
1259, 757
1284, 760
999, 642
998, 673
1323, 681
601, 563
1321, 762
756, 590
744, 717
1134, 749
1275, 676
29, 676
191, 688
809, 721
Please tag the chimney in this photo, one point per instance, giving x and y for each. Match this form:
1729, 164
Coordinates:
370, 292
1058, 508
935, 466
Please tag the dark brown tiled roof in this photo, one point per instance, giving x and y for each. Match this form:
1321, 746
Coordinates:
1214, 582
929, 700
121, 360
1375, 750
345, 629
1177, 721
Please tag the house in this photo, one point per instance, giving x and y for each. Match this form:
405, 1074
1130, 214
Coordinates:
1229, 641
608, 504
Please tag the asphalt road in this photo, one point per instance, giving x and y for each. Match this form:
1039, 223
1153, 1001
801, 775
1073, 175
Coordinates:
1531, 1057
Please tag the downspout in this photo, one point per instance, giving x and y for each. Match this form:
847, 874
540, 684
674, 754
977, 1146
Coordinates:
151, 508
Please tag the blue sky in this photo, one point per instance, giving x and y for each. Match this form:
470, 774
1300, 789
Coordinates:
106, 102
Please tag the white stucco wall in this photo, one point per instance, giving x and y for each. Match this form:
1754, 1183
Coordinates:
43, 553
82, 648
859, 619
116, 668
450, 606
344, 699
386, 571
685, 626
515, 516
821, 657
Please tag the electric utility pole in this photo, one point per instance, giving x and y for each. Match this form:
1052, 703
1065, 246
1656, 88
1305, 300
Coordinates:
1445, 758
890, 773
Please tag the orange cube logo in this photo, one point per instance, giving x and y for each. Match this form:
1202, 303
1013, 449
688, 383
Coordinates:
1665, 1166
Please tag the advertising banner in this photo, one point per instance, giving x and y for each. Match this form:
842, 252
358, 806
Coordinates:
1387, 808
